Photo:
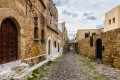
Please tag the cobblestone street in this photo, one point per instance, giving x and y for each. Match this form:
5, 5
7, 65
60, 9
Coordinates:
73, 66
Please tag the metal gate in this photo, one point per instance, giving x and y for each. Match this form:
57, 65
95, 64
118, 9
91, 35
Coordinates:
99, 49
8, 41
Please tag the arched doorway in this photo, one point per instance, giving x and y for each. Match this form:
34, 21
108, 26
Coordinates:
49, 47
8, 41
99, 49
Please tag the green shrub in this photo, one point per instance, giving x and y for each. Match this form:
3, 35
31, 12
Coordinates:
30, 78
36, 71
34, 75
49, 63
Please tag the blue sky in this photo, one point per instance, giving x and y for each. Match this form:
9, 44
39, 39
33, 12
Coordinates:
83, 14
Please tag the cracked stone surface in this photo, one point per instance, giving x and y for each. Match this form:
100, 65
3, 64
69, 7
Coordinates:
72, 66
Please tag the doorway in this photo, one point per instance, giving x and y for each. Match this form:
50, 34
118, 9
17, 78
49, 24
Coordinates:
58, 47
49, 47
8, 41
99, 49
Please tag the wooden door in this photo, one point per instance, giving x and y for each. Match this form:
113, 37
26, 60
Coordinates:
8, 41
49, 47
99, 49
58, 47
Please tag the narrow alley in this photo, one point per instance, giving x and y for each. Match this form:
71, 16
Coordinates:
72, 66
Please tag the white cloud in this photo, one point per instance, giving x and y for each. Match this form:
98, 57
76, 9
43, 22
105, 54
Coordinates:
96, 9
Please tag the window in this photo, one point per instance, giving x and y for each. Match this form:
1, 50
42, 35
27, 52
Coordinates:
51, 18
56, 27
86, 35
50, 21
55, 44
35, 21
113, 20
36, 33
109, 21
93, 34
42, 36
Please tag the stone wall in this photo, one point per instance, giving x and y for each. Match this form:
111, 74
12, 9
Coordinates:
37, 23
110, 47
81, 33
29, 48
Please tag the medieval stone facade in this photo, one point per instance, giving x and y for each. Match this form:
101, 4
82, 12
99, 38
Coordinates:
28, 33
65, 39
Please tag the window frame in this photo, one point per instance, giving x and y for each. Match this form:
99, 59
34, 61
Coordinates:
114, 20
87, 35
110, 22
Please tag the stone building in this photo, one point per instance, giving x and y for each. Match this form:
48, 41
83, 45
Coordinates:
75, 38
112, 19
65, 42
53, 42
28, 35
72, 43
85, 33
104, 47
60, 38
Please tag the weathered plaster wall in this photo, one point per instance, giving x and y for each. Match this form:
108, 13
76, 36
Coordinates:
111, 43
114, 13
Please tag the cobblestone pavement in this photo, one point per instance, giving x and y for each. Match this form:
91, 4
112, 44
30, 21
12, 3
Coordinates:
73, 66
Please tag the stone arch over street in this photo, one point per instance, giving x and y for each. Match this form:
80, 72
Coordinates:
99, 49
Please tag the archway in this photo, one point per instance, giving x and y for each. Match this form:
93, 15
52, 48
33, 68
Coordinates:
99, 49
49, 47
8, 41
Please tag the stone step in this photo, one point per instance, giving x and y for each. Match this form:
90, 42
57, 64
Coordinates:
8, 74
23, 75
20, 67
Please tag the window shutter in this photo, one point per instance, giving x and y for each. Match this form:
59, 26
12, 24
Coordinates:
91, 41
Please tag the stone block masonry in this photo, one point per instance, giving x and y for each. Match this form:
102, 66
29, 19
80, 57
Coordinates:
29, 33
106, 47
